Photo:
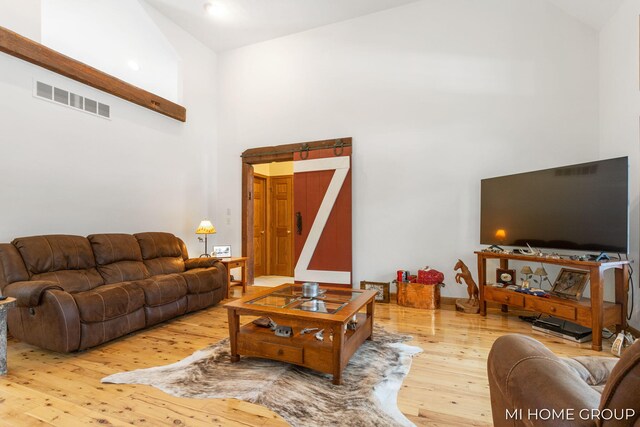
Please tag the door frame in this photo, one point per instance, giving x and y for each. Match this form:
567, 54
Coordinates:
278, 153
267, 215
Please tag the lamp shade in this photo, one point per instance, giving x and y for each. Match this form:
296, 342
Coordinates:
540, 271
206, 227
526, 270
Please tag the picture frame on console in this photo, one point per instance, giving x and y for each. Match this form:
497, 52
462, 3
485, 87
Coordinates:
222, 251
505, 276
382, 288
570, 283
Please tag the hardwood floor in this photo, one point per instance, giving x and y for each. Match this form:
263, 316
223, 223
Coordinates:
447, 384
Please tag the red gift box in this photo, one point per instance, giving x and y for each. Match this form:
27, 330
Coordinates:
430, 277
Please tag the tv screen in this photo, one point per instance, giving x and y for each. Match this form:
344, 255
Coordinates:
582, 207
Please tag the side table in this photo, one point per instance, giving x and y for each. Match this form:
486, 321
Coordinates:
236, 262
4, 307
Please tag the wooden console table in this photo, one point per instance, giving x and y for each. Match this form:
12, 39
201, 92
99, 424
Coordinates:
594, 313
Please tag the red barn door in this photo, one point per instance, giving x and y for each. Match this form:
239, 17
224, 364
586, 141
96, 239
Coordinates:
322, 216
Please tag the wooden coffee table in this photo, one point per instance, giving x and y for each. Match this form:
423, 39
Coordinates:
286, 307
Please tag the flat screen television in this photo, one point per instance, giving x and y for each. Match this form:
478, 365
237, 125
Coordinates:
582, 207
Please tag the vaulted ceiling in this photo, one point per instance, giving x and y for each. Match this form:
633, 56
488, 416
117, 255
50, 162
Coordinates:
594, 13
235, 23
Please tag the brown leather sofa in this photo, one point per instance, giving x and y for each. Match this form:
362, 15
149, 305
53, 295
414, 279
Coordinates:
530, 386
77, 292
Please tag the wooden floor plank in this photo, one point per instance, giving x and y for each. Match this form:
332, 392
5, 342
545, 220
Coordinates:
447, 384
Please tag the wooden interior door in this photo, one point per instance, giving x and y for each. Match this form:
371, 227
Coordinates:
281, 218
322, 216
260, 224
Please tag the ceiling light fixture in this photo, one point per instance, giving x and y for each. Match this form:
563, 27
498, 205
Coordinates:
133, 65
216, 9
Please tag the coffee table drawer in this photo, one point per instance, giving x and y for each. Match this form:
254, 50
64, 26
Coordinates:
274, 351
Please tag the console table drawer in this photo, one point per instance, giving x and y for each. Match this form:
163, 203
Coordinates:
234, 264
548, 307
275, 351
504, 297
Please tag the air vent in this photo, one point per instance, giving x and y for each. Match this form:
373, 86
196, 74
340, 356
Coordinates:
70, 99
104, 110
61, 96
76, 101
44, 90
91, 106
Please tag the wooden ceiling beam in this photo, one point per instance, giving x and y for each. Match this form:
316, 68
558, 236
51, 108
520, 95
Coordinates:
28, 50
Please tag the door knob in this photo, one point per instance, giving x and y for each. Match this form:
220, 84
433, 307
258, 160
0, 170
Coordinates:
262, 232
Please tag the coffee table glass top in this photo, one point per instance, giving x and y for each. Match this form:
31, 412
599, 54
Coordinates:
328, 301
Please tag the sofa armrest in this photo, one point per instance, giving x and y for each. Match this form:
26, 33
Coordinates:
47, 318
29, 293
204, 262
528, 383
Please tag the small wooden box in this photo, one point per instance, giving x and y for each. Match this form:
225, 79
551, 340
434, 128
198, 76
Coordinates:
418, 295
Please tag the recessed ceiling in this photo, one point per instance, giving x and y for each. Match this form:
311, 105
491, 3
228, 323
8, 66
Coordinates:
594, 13
236, 23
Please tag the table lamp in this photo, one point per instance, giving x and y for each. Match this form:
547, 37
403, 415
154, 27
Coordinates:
526, 270
205, 228
542, 273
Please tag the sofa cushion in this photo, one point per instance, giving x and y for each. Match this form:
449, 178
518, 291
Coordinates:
161, 252
43, 254
202, 280
158, 245
159, 290
67, 260
164, 265
73, 280
110, 248
109, 301
123, 271
118, 257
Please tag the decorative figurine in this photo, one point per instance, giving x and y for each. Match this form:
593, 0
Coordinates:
472, 304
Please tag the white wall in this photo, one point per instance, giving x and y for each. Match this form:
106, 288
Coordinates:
436, 94
108, 34
64, 171
620, 110
23, 19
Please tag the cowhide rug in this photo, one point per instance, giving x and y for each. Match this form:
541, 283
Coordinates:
368, 396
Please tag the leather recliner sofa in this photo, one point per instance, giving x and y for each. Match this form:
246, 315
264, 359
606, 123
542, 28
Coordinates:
77, 292
531, 386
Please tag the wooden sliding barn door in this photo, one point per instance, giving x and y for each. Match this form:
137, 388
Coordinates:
322, 202
322, 216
